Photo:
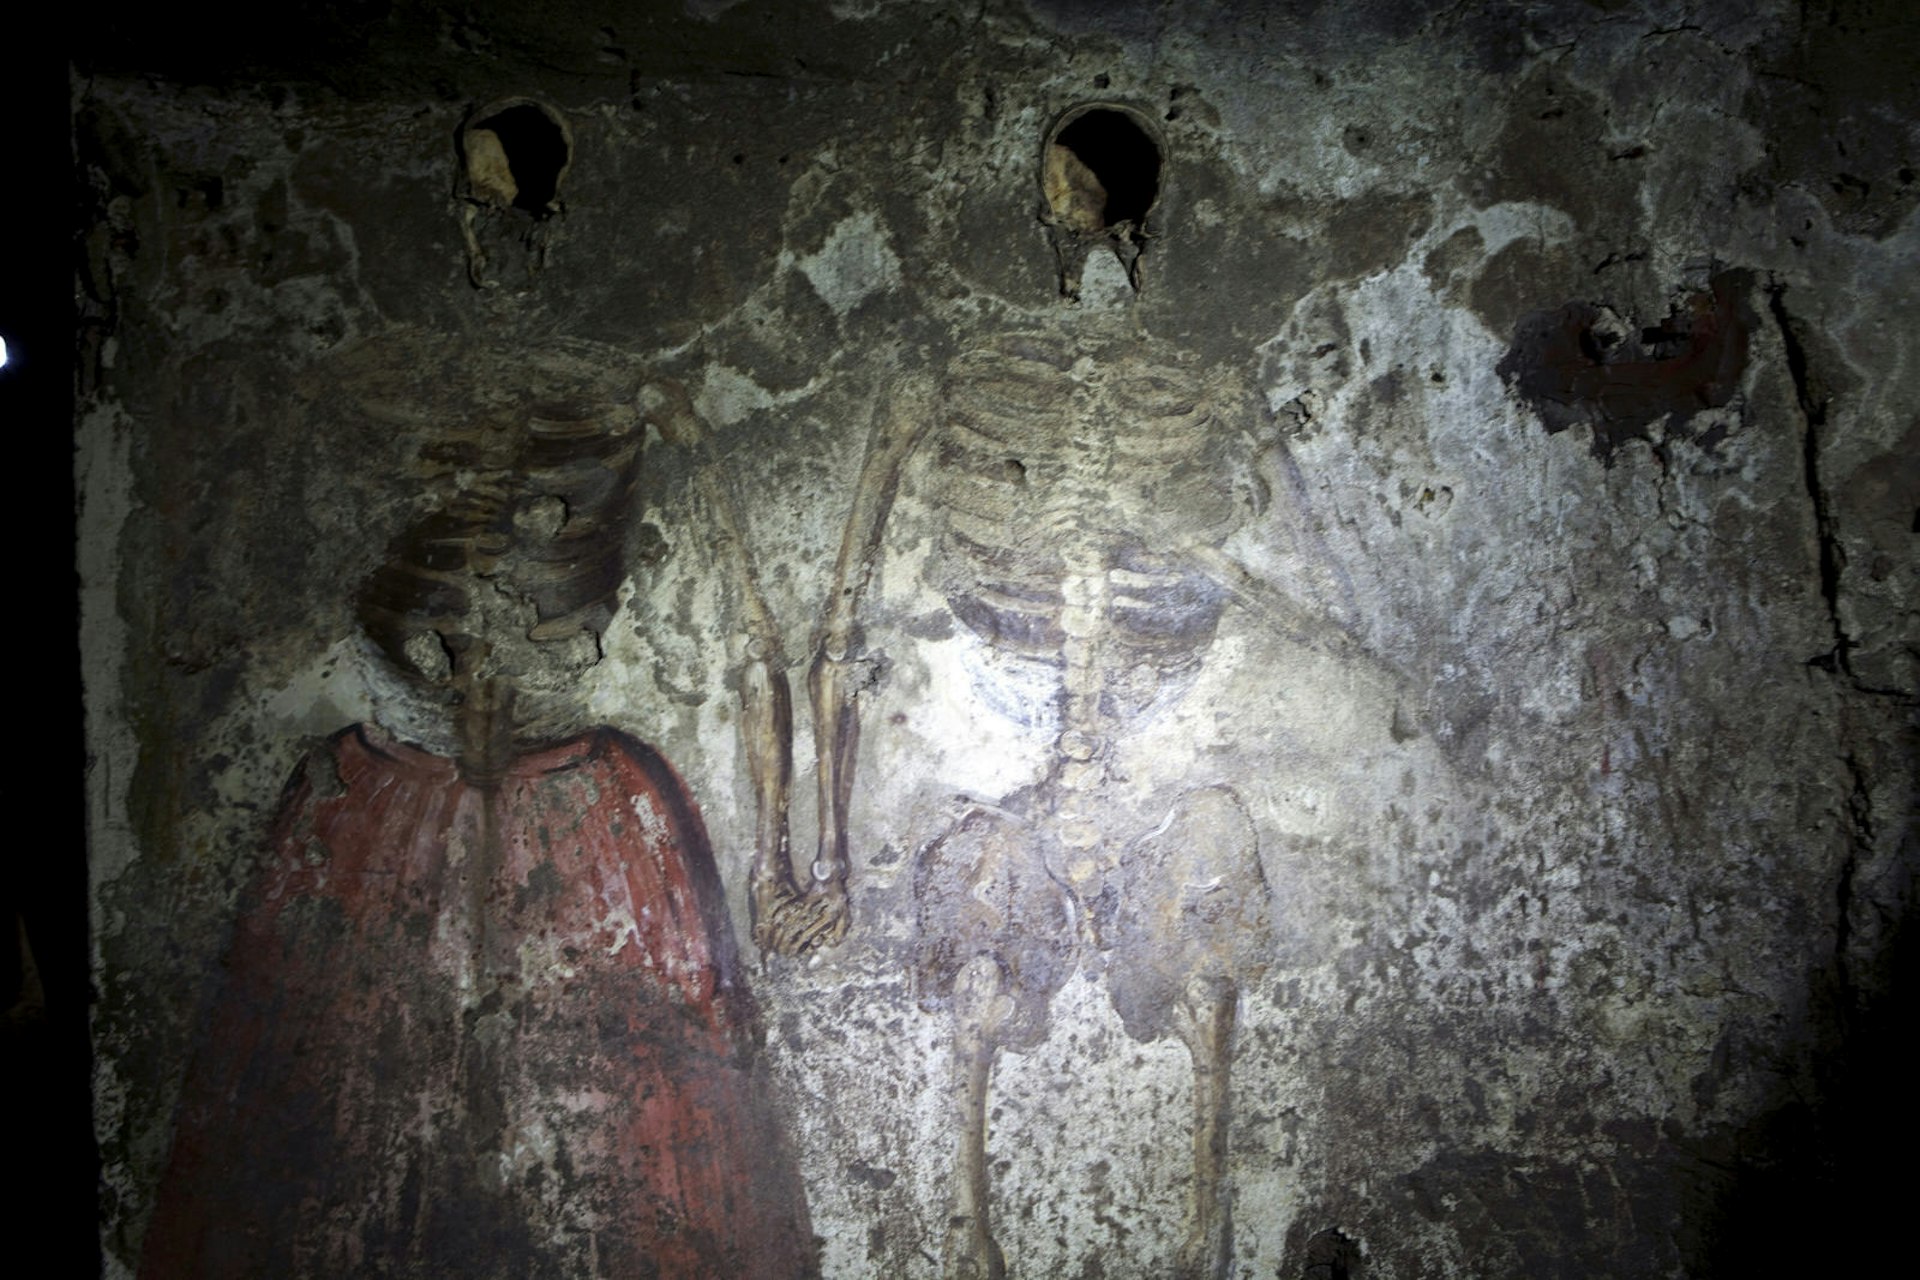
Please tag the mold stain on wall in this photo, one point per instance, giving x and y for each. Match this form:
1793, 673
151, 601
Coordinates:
1272, 800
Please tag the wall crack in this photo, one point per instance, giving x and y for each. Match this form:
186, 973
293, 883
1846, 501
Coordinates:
1813, 404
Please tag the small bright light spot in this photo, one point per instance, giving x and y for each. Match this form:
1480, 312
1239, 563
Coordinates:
3, 353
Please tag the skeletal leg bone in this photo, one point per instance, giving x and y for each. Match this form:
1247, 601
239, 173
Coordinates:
981, 1006
1194, 926
1204, 1019
996, 942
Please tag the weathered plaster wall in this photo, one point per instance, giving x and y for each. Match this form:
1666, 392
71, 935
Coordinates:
1576, 734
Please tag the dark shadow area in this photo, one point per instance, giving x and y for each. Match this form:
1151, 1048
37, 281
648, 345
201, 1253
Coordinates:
1331, 1256
1837, 1148
51, 1166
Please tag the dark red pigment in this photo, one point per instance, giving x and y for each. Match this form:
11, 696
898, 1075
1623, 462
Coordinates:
482, 1029
1693, 360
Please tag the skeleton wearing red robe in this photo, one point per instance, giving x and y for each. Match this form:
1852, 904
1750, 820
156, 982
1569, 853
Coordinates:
483, 1013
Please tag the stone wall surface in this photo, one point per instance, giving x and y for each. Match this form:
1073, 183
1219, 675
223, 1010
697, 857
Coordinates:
1448, 616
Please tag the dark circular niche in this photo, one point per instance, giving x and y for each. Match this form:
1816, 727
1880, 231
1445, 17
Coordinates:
538, 148
1331, 1255
1123, 155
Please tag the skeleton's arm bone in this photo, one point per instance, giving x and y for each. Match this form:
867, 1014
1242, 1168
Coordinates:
1283, 613
664, 403
836, 733
766, 699
766, 721
898, 424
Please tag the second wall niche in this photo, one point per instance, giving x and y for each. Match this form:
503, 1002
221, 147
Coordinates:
1100, 176
517, 152
515, 155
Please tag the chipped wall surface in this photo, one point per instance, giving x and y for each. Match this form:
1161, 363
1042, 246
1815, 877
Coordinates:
1375, 739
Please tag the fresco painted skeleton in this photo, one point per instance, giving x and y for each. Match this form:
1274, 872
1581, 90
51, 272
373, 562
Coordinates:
1085, 485
482, 1013
1084, 488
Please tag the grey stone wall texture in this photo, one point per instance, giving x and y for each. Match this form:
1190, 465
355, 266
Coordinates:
1385, 724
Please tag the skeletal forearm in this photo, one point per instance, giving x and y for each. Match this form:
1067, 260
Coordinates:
766, 722
836, 728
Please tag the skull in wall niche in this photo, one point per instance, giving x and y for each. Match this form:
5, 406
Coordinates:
514, 157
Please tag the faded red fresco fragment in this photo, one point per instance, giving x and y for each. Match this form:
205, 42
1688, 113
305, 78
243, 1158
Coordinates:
482, 1030
1571, 370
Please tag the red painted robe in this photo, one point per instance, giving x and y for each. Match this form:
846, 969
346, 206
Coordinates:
482, 1030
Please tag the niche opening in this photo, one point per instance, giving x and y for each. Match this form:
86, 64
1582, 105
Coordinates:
1331, 1255
517, 154
1102, 170
1100, 173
